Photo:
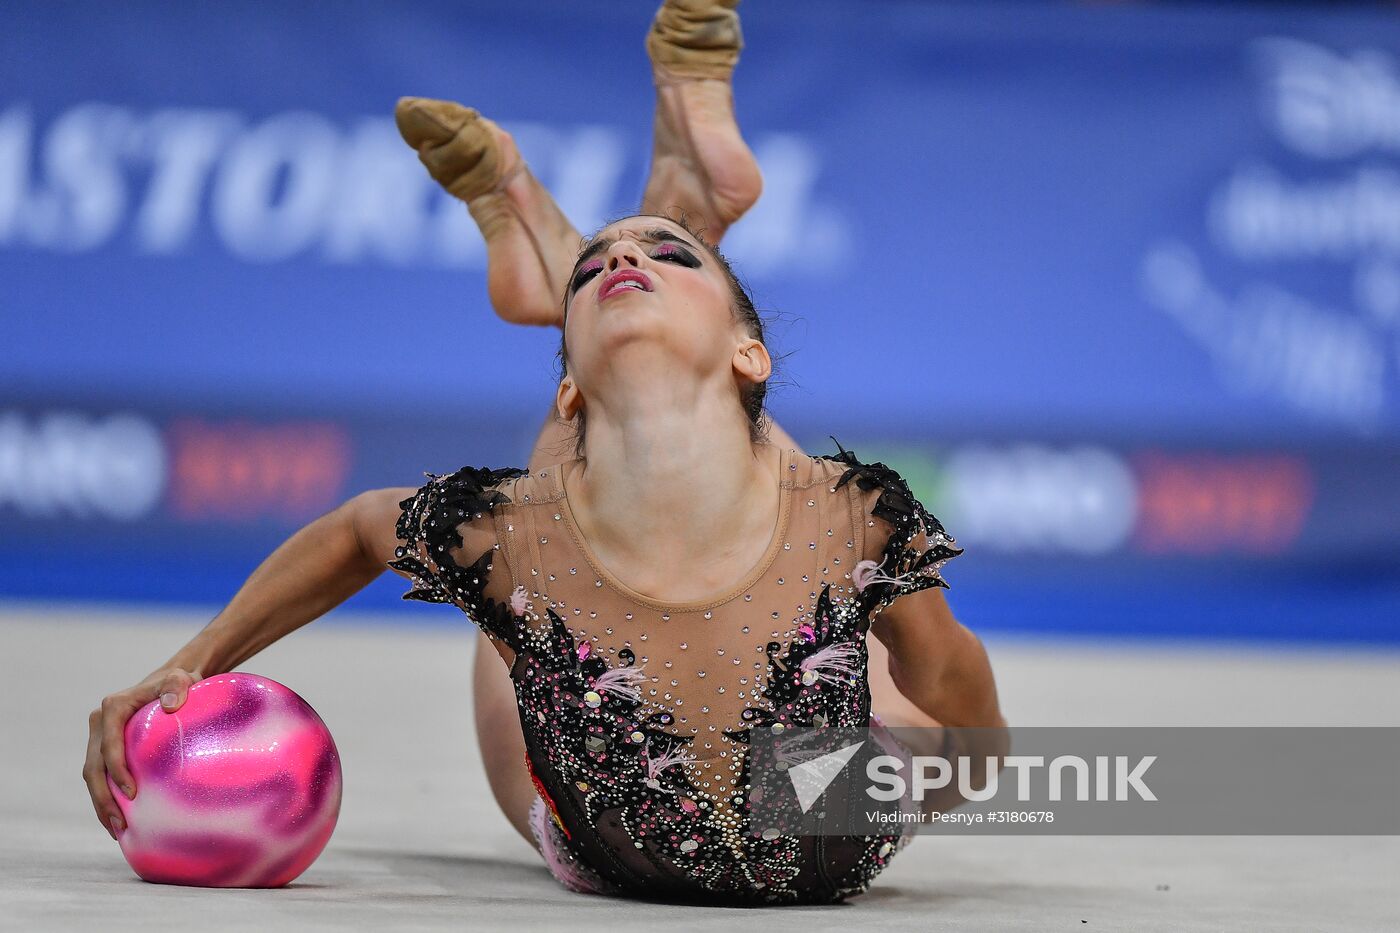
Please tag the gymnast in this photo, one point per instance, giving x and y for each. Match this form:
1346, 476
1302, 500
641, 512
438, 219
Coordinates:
682, 576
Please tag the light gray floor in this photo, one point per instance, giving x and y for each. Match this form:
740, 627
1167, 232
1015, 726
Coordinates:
420, 844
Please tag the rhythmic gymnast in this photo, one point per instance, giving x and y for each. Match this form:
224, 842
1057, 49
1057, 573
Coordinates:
683, 575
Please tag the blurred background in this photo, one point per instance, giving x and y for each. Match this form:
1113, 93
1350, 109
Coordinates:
1115, 286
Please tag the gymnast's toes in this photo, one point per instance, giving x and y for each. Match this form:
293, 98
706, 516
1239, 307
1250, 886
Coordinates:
423, 120
695, 40
455, 143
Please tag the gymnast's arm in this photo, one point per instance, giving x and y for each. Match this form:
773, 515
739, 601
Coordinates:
315, 570
943, 669
312, 572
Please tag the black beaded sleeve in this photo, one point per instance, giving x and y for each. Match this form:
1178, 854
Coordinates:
918, 545
431, 528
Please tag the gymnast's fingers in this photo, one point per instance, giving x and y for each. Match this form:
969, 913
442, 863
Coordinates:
116, 709
95, 776
175, 687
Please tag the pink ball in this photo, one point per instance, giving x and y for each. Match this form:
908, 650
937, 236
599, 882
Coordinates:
240, 788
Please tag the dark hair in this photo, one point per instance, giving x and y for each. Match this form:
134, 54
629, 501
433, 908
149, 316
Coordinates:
752, 395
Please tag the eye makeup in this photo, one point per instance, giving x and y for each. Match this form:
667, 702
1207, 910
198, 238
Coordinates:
670, 252
671, 249
584, 273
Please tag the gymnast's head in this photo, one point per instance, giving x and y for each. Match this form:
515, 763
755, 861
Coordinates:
649, 303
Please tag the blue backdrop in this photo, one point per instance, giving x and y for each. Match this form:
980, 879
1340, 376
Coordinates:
1117, 288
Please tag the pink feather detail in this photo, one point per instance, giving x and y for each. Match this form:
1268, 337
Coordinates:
623, 681
868, 572
562, 864
517, 601
834, 663
656, 765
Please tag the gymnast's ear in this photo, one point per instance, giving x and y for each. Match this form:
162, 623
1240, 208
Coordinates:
752, 362
568, 399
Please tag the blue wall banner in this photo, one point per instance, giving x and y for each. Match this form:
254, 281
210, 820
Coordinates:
1118, 287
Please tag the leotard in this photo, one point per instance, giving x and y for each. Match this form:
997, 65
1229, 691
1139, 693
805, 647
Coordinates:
636, 712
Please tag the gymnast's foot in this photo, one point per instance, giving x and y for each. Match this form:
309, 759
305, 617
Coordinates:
700, 163
530, 244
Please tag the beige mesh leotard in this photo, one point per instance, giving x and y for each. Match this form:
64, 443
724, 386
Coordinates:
637, 712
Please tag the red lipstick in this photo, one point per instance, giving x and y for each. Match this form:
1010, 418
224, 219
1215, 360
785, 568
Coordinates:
617, 282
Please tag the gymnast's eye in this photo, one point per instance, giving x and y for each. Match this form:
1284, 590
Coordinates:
585, 272
677, 254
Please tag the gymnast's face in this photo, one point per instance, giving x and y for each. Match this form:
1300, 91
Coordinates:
644, 290
642, 245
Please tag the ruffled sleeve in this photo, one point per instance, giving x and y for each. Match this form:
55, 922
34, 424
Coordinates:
905, 545
442, 539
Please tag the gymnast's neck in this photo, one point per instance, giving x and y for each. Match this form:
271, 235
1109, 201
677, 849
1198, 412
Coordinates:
671, 474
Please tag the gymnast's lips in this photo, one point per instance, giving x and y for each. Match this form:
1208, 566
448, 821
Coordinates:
615, 283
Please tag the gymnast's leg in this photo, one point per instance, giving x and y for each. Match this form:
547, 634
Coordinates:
530, 244
700, 163
499, 735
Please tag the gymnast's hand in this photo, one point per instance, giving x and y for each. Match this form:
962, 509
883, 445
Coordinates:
106, 751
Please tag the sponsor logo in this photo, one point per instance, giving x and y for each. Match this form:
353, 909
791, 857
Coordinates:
65, 463
303, 185
124, 467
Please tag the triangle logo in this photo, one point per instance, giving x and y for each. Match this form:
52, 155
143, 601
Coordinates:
811, 778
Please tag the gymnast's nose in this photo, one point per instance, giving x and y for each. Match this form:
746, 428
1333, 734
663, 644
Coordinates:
623, 253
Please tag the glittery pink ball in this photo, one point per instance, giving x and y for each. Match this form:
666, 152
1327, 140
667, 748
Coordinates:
239, 788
